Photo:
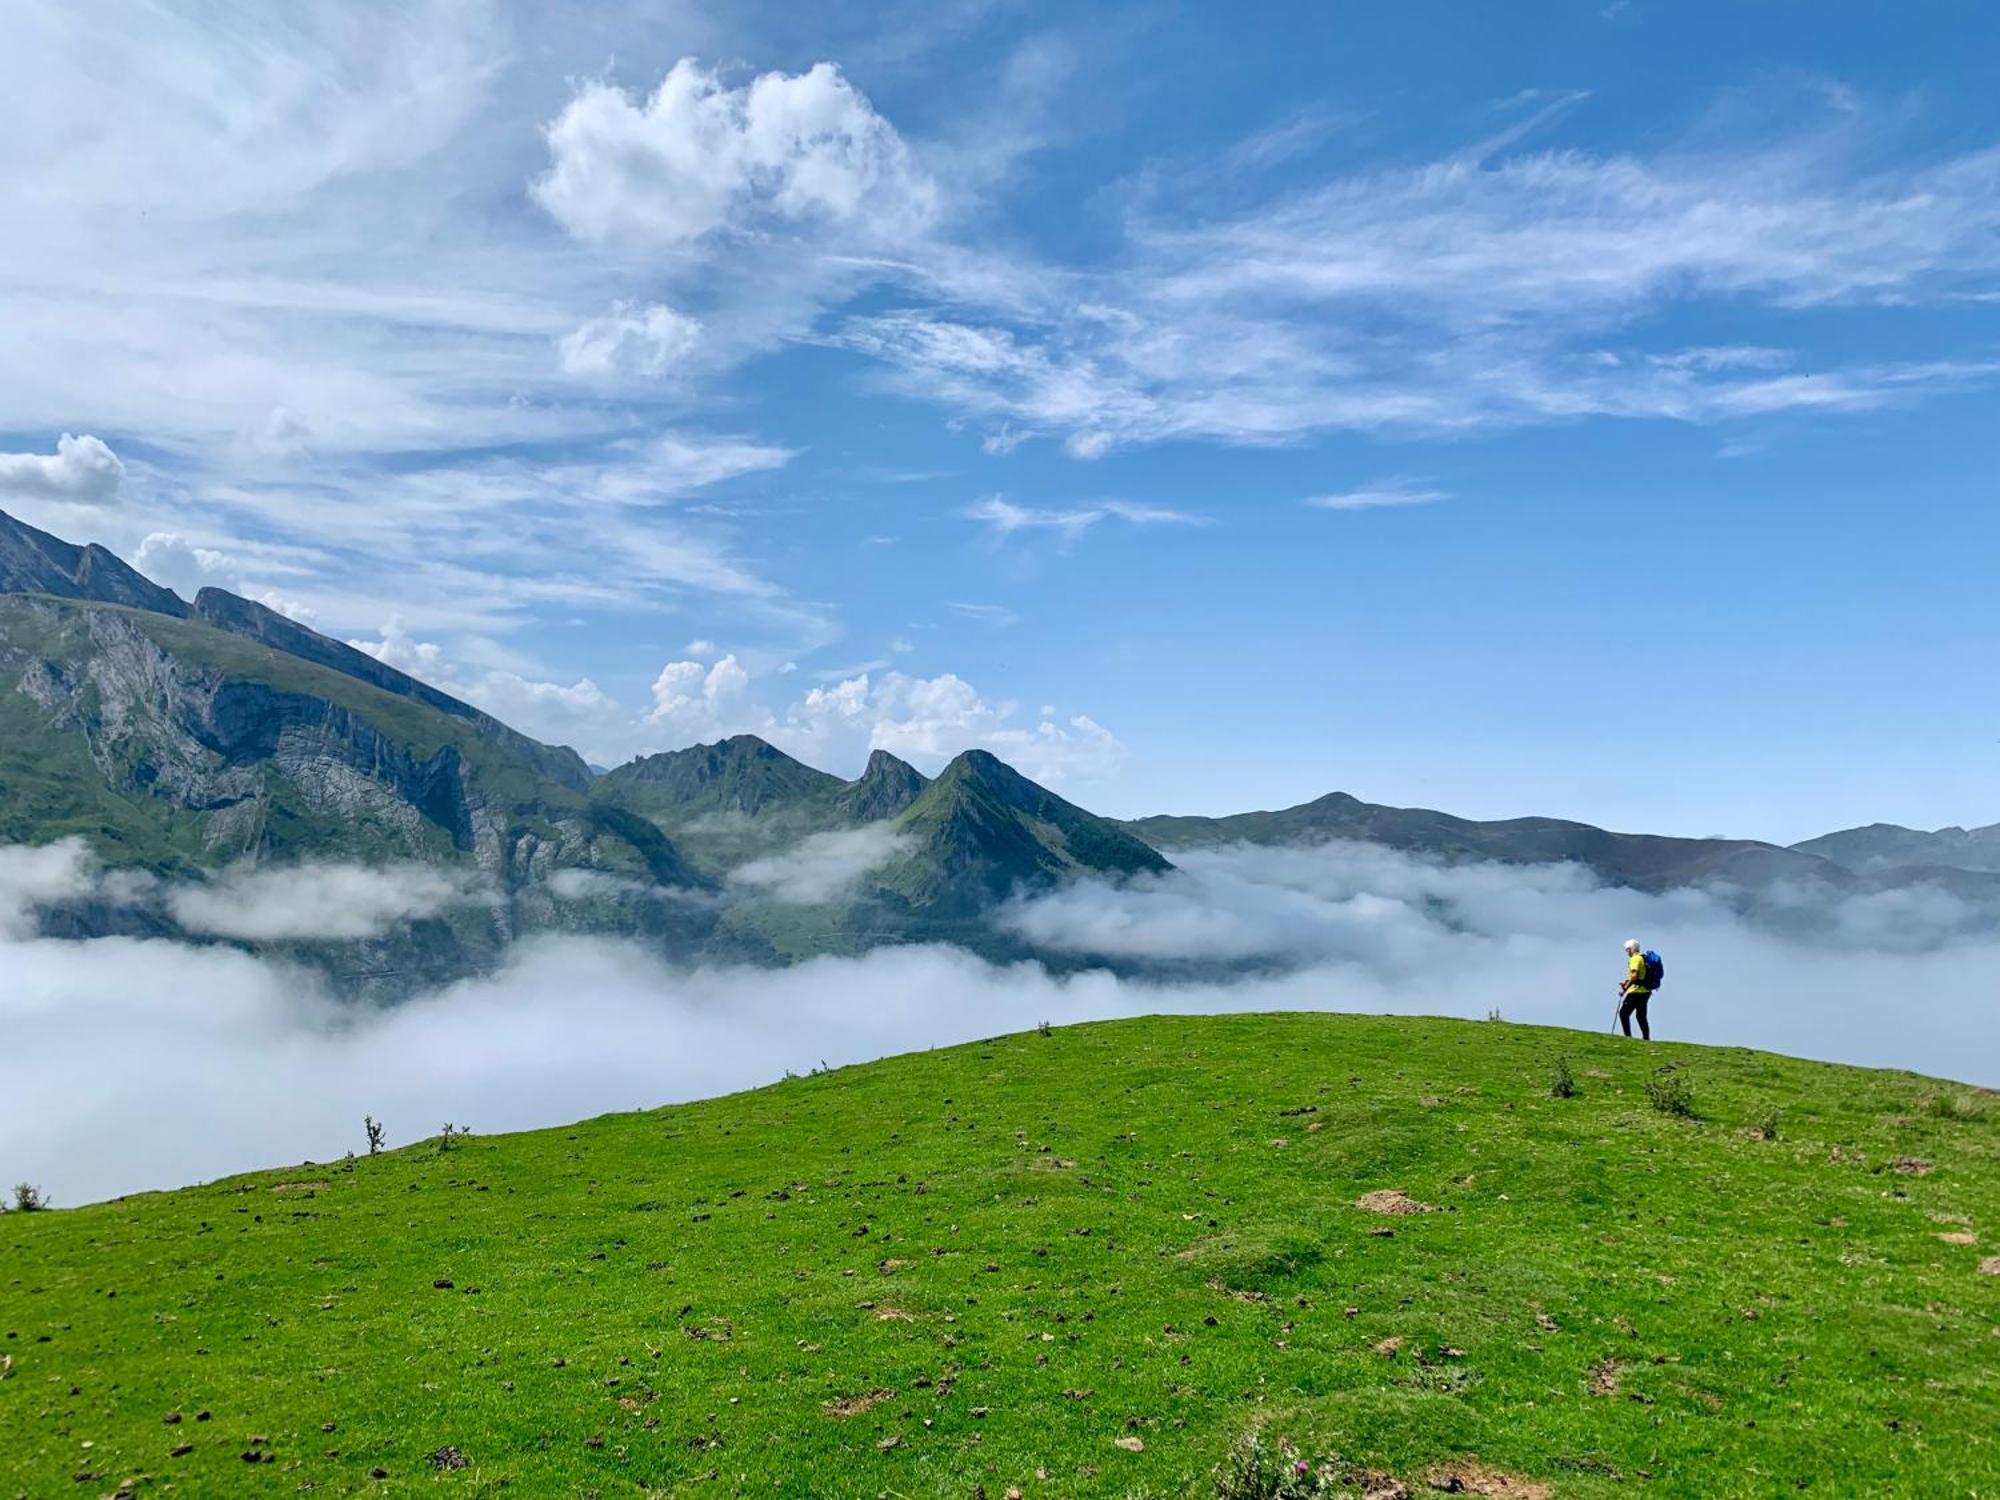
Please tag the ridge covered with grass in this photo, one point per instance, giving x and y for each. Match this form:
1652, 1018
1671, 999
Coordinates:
1086, 1262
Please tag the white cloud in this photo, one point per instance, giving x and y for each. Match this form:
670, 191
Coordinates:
1376, 497
630, 339
986, 614
821, 867
578, 714
34, 876
82, 471
699, 157
146, 1064
1464, 293
319, 901
926, 720
187, 568
694, 703
1005, 517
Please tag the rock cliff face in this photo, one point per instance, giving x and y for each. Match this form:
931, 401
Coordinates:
176, 747
245, 617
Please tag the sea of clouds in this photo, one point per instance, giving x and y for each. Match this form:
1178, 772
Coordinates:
130, 1063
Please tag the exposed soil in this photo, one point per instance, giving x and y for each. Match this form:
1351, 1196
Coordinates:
1392, 1201
1470, 1477
854, 1406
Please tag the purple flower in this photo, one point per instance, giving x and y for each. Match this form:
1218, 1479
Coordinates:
1304, 1467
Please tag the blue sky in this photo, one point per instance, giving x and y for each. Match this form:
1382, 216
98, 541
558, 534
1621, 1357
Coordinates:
1572, 409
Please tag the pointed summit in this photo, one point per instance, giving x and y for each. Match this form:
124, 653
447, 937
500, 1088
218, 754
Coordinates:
742, 774
885, 788
33, 562
982, 830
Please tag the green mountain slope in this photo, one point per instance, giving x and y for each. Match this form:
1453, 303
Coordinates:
742, 797
175, 746
1886, 846
742, 775
885, 788
982, 830
1081, 1264
1645, 861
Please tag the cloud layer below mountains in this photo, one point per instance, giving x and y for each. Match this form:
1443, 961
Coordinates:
133, 1064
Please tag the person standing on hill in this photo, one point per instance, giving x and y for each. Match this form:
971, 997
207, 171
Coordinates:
1636, 990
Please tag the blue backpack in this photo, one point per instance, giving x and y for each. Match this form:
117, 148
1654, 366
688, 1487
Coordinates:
1656, 969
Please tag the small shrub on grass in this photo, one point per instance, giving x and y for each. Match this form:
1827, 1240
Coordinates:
374, 1128
1494, 1014
1045, 1029
451, 1135
1671, 1092
1257, 1471
29, 1199
1960, 1107
1562, 1083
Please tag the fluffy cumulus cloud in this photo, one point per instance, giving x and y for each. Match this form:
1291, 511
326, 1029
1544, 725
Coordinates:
82, 471
702, 697
172, 560
319, 901
925, 720
579, 713
699, 157
135, 1064
630, 340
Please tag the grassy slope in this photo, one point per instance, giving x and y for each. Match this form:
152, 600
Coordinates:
985, 1230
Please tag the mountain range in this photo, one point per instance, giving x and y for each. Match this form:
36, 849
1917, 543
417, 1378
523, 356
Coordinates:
184, 741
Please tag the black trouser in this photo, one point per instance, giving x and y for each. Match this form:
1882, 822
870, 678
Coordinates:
1635, 1005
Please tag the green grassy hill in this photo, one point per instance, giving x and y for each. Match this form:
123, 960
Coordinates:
1074, 1264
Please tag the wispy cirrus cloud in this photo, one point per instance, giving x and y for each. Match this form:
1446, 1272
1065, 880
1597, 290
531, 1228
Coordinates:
1378, 497
1005, 518
1494, 287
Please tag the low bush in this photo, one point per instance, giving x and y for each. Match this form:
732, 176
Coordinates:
1257, 1471
29, 1199
1562, 1083
1671, 1092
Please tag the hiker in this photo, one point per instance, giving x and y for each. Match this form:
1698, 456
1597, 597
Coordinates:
1642, 976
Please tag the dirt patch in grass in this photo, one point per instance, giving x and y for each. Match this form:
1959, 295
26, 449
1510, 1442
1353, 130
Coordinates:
894, 1315
1470, 1477
1388, 1347
854, 1406
1604, 1377
297, 1187
1990, 1266
1392, 1201
1959, 1237
1912, 1166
